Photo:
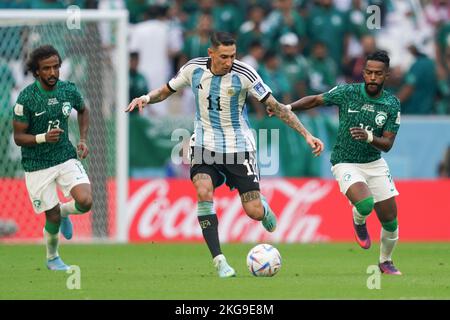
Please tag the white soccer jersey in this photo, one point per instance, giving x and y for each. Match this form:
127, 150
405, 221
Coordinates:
221, 122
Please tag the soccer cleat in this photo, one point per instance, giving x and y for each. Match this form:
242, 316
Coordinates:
388, 267
56, 264
66, 228
223, 268
269, 221
361, 235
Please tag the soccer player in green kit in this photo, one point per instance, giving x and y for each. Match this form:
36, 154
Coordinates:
369, 118
40, 122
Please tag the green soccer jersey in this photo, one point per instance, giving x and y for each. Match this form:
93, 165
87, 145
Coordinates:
45, 110
357, 109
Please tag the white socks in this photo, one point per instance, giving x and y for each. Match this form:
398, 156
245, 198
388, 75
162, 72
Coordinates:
51, 243
387, 244
357, 217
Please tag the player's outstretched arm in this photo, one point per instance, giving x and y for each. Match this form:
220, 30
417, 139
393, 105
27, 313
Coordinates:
154, 96
308, 102
304, 103
287, 116
24, 139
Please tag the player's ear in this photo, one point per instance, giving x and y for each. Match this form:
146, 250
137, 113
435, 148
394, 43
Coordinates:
387, 74
210, 52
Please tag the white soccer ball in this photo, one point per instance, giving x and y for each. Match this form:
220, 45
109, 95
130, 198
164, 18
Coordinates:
264, 260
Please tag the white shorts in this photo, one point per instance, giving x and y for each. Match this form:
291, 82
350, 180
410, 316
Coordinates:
41, 184
375, 174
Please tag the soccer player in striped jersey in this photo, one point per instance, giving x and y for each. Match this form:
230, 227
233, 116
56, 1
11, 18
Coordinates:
223, 149
49, 159
369, 118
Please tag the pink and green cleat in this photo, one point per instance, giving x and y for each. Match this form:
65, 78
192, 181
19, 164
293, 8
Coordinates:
361, 235
388, 267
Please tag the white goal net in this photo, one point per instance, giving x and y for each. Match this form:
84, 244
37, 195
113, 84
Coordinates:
92, 45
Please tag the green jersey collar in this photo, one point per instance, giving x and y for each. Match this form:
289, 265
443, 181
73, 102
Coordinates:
46, 92
363, 89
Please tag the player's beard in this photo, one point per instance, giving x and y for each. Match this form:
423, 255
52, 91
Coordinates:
376, 92
50, 84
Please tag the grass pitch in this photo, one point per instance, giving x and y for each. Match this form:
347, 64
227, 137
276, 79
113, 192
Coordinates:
185, 271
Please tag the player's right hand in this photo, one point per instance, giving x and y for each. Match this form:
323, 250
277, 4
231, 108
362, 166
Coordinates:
137, 102
269, 111
53, 135
316, 144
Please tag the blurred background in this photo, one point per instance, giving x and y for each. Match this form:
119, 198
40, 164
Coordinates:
299, 47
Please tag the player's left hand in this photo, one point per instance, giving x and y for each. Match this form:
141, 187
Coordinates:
82, 150
316, 144
358, 133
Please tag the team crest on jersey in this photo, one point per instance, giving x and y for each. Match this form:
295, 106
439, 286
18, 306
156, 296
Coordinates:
230, 92
66, 108
380, 118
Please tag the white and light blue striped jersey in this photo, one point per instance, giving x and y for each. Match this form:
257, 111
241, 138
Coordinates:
221, 122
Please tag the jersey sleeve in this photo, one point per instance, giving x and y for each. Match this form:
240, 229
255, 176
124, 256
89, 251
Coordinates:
335, 96
256, 86
77, 98
21, 112
393, 120
182, 78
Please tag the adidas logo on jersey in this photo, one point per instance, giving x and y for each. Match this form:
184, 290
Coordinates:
199, 86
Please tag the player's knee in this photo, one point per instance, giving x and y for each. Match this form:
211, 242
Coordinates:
365, 206
84, 202
204, 193
387, 217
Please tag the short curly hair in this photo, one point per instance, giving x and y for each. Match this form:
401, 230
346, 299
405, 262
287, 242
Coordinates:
379, 55
40, 53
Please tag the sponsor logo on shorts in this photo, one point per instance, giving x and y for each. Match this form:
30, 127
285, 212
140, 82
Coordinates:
37, 204
347, 177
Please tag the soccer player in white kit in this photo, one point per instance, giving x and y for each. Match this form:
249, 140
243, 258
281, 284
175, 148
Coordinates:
223, 149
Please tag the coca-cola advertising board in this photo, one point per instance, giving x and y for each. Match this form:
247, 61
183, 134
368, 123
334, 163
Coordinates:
307, 210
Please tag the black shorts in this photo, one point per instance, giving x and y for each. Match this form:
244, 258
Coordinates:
236, 170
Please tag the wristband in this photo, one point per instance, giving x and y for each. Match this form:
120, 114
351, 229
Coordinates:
369, 136
40, 138
146, 98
